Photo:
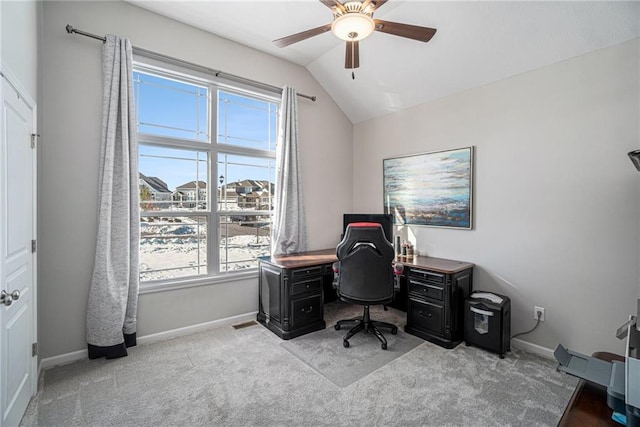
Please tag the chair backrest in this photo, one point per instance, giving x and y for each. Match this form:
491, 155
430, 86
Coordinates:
365, 262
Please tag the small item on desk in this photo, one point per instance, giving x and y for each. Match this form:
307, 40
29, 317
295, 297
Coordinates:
398, 246
403, 255
406, 253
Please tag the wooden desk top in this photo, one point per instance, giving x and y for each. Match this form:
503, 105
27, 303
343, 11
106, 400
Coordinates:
328, 256
441, 265
588, 405
304, 259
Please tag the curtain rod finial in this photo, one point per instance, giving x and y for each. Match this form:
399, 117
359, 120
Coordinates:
69, 29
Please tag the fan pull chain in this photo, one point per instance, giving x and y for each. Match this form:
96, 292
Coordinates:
353, 61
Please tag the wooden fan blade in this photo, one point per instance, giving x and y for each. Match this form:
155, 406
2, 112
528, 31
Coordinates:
379, 3
294, 38
414, 32
376, 3
334, 3
364, 5
352, 58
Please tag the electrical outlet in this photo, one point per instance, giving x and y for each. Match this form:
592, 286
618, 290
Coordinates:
538, 310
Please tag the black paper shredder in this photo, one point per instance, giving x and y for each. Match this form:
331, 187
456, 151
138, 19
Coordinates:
487, 322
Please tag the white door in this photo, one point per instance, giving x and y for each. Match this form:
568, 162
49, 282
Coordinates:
17, 299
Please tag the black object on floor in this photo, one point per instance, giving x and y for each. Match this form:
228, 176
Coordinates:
487, 322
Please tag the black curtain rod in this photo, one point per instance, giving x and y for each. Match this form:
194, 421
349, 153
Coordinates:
191, 65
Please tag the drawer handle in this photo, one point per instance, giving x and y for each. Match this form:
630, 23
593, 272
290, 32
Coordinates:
423, 314
308, 286
307, 311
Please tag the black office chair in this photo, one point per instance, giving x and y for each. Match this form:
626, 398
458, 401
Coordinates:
364, 275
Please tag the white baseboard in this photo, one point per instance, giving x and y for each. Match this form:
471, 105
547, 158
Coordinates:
167, 335
66, 358
547, 353
62, 359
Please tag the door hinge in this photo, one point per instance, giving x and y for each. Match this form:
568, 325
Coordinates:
33, 246
34, 349
33, 139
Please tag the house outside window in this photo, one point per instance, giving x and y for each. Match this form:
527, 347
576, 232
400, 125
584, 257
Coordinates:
207, 173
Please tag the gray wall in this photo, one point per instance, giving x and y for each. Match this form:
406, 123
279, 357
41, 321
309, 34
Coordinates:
556, 198
71, 105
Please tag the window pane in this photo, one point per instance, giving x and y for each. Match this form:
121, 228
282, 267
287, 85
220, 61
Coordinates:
172, 179
172, 247
170, 108
246, 183
176, 189
243, 238
246, 122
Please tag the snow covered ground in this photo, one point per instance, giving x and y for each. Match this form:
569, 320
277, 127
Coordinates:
179, 249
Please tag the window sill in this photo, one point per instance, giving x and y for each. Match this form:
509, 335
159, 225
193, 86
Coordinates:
149, 288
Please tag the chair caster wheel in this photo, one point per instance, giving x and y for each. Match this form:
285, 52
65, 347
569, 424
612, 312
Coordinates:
394, 331
383, 345
502, 356
337, 327
345, 343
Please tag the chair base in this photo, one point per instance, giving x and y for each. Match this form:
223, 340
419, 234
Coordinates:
365, 323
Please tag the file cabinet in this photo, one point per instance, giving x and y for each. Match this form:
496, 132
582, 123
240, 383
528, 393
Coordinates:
437, 289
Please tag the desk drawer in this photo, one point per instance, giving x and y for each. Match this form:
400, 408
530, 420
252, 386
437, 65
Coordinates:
302, 273
309, 285
306, 310
426, 290
426, 316
426, 276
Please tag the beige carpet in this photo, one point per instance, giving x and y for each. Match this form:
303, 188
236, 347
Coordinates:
244, 377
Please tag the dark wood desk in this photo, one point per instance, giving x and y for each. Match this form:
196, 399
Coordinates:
588, 405
292, 292
436, 290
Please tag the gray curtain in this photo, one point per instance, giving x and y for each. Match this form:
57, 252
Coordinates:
289, 234
113, 297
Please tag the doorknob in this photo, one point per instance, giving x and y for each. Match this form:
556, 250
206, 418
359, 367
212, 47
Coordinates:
8, 299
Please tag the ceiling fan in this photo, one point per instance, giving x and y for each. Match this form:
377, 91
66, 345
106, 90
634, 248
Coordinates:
352, 22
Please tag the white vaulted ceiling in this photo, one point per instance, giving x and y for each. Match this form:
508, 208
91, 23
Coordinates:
477, 42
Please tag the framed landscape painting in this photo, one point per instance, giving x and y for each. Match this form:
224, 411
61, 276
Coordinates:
433, 189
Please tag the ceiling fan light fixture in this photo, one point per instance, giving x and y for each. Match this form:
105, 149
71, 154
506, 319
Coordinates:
353, 26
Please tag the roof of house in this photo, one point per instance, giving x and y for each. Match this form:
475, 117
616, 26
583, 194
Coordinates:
192, 185
250, 183
155, 183
257, 194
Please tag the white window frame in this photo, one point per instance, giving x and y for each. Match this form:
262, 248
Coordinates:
212, 214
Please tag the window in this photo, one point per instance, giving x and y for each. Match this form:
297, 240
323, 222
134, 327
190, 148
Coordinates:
207, 173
